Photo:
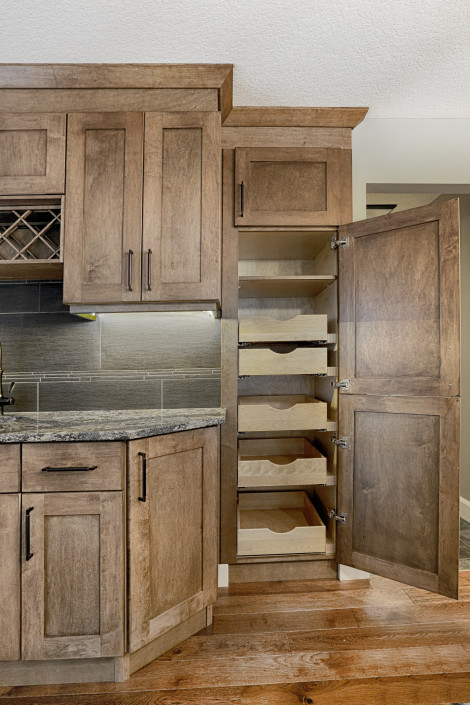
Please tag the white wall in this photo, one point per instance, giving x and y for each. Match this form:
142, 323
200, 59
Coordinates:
434, 155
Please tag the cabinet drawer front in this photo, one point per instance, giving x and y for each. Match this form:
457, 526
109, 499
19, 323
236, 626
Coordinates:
73, 467
264, 329
277, 462
9, 468
281, 413
301, 361
271, 523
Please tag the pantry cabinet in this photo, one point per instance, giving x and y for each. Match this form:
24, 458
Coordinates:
142, 208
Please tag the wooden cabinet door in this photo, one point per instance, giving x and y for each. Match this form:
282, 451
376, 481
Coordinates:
173, 512
103, 208
399, 335
72, 575
10, 571
32, 153
181, 215
287, 186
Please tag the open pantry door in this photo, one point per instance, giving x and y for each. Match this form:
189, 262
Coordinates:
399, 341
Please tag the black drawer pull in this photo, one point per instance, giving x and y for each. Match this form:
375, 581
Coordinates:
242, 199
129, 269
143, 457
77, 468
29, 555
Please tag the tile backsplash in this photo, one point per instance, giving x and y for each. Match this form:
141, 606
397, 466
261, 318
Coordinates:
120, 361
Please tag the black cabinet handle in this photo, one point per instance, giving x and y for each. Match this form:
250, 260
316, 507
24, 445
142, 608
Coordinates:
149, 270
143, 459
29, 555
77, 468
129, 269
242, 199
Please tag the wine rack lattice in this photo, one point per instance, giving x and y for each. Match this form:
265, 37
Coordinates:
30, 233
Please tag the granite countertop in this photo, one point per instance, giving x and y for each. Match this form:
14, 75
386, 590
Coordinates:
118, 425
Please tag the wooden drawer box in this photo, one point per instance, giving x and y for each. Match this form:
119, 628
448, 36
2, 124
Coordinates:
287, 412
300, 361
72, 467
278, 462
264, 329
9, 468
273, 523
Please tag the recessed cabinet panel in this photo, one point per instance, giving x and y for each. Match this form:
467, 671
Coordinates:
72, 575
103, 216
10, 465
181, 243
173, 495
399, 303
287, 186
32, 153
400, 489
10, 547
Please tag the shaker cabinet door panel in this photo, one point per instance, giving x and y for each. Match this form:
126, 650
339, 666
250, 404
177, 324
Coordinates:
32, 154
103, 210
399, 487
287, 186
181, 210
399, 303
72, 582
10, 571
173, 495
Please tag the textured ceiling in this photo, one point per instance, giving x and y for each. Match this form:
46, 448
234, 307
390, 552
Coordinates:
405, 58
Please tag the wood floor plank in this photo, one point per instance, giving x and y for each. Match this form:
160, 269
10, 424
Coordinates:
288, 587
283, 621
218, 646
252, 604
399, 636
203, 696
408, 690
286, 668
369, 616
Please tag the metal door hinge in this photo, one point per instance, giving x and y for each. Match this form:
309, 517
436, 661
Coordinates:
335, 243
342, 384
340, 442
340, 518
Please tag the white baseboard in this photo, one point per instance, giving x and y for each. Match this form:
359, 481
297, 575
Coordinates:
223, 575
347, 573
465, 509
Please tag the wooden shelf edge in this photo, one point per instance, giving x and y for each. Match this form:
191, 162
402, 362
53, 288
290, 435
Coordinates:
21, 271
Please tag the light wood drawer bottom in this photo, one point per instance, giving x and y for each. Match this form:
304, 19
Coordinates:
286, 412
280, 462
276, 523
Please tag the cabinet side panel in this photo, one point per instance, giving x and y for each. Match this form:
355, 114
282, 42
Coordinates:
10, 577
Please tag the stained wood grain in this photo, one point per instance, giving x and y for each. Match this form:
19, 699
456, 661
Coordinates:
10, 548
287, 587
252, 623
217, 646
10, 464
294, 117
200, 696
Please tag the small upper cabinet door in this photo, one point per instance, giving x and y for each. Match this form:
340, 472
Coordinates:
32, 154
181, 228
287, 186
72, 575
103, 209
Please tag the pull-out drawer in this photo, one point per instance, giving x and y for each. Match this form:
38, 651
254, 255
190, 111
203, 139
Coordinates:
300, 361
280, 462
287, 412
9, 468
264, 329
72, 467
275, 523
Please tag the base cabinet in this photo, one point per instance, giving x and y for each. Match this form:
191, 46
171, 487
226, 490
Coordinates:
172, 495
9, 577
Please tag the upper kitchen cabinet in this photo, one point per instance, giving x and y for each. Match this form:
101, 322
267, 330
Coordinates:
32, 153
142, 208
288, 186
181, 228
103, 214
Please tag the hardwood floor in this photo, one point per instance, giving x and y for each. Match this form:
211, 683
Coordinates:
321, 642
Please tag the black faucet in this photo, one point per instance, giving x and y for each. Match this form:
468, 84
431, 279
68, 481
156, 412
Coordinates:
8, 400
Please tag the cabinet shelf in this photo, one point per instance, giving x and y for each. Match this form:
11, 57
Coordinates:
283, 286
254, 244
